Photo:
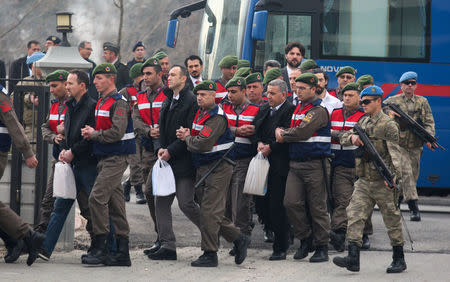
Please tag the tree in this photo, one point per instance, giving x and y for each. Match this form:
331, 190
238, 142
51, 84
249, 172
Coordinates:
119, 5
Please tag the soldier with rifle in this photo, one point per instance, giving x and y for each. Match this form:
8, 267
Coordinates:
377, 169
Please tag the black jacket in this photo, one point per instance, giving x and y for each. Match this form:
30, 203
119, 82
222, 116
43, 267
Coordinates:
285, 75
19, 69
2, 73
76, 117
181, 114
265, 132
123, 78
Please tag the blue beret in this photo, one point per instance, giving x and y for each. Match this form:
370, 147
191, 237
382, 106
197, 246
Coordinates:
407, 76
35, 57
372, 91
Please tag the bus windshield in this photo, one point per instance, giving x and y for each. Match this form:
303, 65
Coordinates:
222, 31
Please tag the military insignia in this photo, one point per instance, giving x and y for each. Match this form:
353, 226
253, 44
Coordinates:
60, 76
53, 38
373, 90
108, 69
238, 82
120, 112
359, 87
211, 86
4, 106
307, 118
312, 80
258, 76
206, 131
155, 62
105, 48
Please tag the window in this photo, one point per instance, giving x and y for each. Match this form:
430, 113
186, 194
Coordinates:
381, 28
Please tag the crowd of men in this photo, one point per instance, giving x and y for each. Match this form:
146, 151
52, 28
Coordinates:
321, 189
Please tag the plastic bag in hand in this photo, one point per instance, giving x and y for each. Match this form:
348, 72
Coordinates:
256, 178
64, 182
163, 180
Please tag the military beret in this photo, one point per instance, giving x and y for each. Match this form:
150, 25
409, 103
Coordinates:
105, 68
308, 64
254, 77
228, 62
407, 76
57, 75
236, 81
271, 74
36, 56
364, 80
54, 39
372, 90
205, 85
135, 70
352, 86
243, 72
308, 78
150, 62
160, 55
138, 44
346, 69
243, 64
108, 46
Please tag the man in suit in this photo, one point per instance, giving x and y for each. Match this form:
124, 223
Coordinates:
294, 53
19, 68
194, 65
85, 49
277, 113
111, 55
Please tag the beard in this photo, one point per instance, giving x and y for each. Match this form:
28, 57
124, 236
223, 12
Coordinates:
319, 89
293, 64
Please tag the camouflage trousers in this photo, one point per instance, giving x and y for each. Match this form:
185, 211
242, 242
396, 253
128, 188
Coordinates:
410, 172
364, 198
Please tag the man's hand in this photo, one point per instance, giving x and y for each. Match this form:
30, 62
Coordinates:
182, 133
86, 132
245, 130
164, 155
154, 132
35, 100
394, 181
357, 141
393, 114
278, 135
430, 146
260, 146
58, 138
66, 156
31, 162
266, 150
60, 128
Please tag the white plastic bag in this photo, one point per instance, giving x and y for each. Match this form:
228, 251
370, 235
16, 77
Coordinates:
163, 180
256, 178
64, 182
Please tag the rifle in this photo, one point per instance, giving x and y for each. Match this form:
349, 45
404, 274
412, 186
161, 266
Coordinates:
416, 127
216, 164
376, 159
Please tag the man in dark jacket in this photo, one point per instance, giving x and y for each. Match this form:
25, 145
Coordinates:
277, 113
19, 68
177, 111
111, 55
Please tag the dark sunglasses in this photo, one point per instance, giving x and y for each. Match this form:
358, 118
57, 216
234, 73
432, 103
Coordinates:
367, 101
411, 82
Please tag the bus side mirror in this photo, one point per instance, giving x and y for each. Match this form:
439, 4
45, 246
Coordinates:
259, 25
172, 33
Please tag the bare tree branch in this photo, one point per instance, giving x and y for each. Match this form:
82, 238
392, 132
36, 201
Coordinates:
14, 26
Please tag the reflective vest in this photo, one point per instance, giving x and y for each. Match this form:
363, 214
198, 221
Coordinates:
343, 155
244, 148
54, 119
315, 147
221, 92
132, 91
126, 145
149, 113
222, 145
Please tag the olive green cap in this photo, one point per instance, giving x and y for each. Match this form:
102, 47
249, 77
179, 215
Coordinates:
228, 62
243, 64
205, 85
57, 75
346, 69
308, 78
351, 86
308, 64
364, 80
254, 77
136, 70
236, 81
243, 72
105, 68
150, 62
160, 55
271, 74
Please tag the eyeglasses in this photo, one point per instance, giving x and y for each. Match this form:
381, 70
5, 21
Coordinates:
348, 77
301, 88
367, 101
410, 82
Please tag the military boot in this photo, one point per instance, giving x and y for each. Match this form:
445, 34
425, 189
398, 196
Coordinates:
320, 255
122, 256
91, 247
351, 262
398, 260
33, 240
337, 240
126, 190
99, 252
13, 252
414, 210
240, 245
365, 242
208, 259
303, 250
140, 198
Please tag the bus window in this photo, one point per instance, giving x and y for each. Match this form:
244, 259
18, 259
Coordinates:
382, 28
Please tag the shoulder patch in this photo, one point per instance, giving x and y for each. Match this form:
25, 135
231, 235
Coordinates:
308, 117
206, 131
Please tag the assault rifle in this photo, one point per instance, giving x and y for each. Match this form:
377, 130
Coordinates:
376, 159
416, 127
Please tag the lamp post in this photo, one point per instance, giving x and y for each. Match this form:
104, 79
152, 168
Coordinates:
64, 25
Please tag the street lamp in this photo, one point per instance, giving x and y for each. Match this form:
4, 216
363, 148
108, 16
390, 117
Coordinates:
64, 25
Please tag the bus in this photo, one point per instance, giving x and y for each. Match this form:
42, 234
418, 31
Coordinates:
384, 38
